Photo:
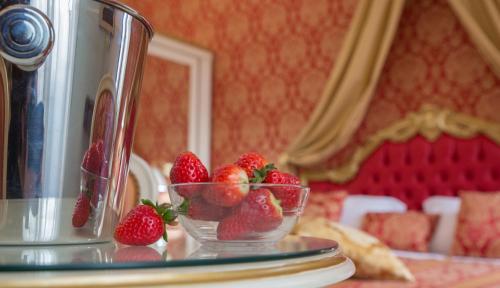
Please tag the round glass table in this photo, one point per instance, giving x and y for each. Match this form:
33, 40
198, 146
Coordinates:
293, 262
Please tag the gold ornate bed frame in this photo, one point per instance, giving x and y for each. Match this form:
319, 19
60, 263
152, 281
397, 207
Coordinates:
429, 122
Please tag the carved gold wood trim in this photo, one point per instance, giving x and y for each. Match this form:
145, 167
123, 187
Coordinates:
166, 277
429, 122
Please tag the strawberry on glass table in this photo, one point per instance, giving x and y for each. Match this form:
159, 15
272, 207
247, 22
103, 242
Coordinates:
145, 224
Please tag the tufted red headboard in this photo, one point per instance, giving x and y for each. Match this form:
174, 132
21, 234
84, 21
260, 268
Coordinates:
421, 166
417, 169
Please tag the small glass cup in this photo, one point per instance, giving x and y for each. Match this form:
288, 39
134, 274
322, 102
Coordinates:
95, 189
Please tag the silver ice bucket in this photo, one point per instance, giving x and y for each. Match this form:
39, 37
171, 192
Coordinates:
70, 76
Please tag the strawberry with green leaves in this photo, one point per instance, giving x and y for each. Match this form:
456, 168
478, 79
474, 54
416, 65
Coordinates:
188, 168
234, 186
250, 162
289, 196
145, 224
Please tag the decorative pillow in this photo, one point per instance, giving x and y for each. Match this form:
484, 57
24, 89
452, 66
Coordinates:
447, 208
373, 259
404, 231
356, 206
478, 227
325, 204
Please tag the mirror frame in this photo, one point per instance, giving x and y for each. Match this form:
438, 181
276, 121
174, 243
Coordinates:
200, 63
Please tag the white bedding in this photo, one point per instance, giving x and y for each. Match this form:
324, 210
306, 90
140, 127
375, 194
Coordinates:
356, 206
438, 256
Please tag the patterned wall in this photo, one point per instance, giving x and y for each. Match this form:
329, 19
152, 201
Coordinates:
271, 61
272, 58
431, 61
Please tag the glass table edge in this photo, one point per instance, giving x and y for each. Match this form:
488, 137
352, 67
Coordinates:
168, 263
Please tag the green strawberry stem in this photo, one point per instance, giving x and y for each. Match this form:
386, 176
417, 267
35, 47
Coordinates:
260, 174
169, 216
149, 203
165, 211
184, 207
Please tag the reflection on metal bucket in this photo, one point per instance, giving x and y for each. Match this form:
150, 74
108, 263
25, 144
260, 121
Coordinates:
70, 75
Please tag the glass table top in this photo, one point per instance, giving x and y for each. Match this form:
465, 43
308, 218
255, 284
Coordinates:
176, 253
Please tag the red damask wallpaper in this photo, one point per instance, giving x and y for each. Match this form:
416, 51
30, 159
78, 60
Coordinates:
431, 61
272, 58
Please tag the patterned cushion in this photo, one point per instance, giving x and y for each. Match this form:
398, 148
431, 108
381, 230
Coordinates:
372, 258
478, 228
404, 231
325, 204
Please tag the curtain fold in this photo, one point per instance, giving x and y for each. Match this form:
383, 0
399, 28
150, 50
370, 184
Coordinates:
481, 20
351, 84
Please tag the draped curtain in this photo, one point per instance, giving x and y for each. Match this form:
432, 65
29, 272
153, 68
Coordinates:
481, 20
350, 86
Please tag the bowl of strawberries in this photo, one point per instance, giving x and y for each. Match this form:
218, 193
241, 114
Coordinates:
248, 201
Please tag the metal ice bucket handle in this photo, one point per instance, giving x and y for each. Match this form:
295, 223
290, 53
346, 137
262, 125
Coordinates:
26, 36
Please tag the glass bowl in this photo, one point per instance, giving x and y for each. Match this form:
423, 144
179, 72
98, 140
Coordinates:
219, 213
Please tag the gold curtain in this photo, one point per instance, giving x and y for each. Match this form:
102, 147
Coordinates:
350, 86
481, 19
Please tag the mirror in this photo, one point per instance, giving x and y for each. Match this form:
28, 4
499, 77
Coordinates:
180, 119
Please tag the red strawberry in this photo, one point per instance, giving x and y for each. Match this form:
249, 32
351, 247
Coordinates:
188, 168
250, 162
199, 209
136, 254
289, 196
144, 224
261, 210
82, 211
94, 160
232, 189
233, 228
